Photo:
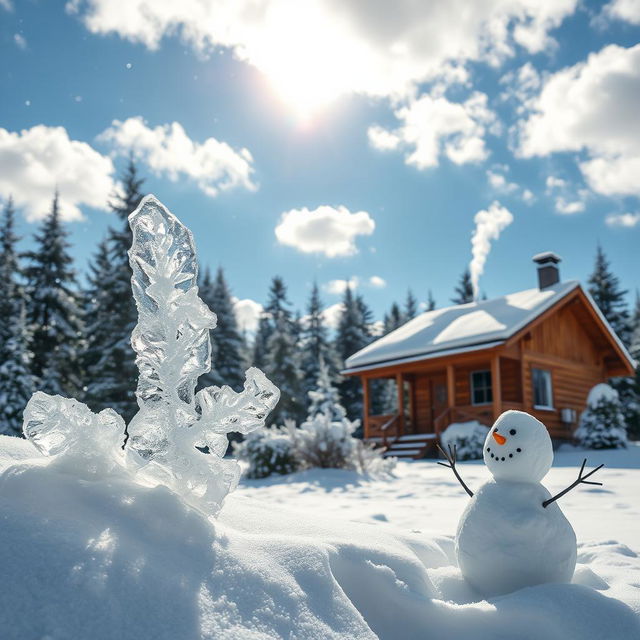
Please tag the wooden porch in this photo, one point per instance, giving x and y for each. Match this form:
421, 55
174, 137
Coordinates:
428, 398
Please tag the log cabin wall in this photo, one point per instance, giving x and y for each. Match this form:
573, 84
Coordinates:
561, 344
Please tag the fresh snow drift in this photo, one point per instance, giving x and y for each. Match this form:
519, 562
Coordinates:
508, 538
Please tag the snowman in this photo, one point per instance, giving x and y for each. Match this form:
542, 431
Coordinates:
513, 534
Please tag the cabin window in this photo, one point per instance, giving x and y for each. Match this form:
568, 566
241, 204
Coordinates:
481, 392
542, 391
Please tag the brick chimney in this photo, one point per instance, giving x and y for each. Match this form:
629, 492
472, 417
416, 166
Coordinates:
548, 271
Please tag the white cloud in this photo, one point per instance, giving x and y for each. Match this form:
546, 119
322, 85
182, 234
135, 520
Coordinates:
624, 220
36, 161
569, 207
500, 183
6, 5
331, 315
627, 10
567, 199
528, 196
338, 287
328, 230
377, 282
168, 151
489, 225
593, 107
247, 314
329, 47
433, 126
20, 40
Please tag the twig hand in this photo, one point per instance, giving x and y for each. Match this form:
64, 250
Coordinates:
451, 459
582, 479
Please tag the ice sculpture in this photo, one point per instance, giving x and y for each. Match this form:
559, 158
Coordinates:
177, 438
77, 437
173, 347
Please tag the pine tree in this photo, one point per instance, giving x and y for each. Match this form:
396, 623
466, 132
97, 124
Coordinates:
10, 290
324, 397
393, 320
602, 422
283, 362
431, 303
316, 347
604, 288
16, 381
354, 333
261, 342
410, 306
226, 342
54, 313
629, 388
464, 290
112, 372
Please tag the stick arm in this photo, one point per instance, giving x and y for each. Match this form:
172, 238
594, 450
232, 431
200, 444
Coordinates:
451, 459
581, 480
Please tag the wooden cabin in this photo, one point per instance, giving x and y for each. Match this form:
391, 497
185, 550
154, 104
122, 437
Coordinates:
539, 350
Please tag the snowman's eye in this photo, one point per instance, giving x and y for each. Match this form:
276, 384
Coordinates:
512, 432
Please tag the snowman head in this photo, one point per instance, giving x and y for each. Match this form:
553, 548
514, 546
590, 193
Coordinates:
518, 448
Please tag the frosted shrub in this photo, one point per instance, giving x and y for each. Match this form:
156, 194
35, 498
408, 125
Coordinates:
602, 424
267, 452
468, 438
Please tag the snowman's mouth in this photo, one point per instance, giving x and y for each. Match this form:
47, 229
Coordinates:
505, 457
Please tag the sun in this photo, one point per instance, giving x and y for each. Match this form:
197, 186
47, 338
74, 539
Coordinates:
307, 69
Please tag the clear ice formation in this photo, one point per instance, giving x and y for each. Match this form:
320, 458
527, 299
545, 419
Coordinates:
178, 437
75, 435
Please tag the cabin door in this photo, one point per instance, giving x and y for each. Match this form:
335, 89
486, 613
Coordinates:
439, 400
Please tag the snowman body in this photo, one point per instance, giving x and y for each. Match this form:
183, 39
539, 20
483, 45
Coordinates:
506, 539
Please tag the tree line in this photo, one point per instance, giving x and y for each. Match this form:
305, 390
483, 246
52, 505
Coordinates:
74, 340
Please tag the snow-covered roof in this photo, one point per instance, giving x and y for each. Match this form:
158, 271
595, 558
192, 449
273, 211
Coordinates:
459, 328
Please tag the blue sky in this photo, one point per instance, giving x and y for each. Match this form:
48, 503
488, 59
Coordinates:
369, 135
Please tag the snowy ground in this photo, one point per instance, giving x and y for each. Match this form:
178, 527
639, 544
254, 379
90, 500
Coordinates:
319, 554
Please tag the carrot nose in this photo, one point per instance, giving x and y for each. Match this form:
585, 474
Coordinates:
498, 438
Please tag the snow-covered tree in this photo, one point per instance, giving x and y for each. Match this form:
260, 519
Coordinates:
10, 290
325, 398
602, 422
410, 306
283, 359
54, 312
227, 344
326, 438
464, 289
604, 288
112, 372
393, 320
16, 381
354, 333
261, 342
431, 303
315, 344
629, 388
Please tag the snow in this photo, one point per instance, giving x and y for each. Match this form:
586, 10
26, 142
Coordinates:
462, 325
602, 392
318, 554
468, 438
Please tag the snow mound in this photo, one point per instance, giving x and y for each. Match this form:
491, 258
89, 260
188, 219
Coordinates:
115, 559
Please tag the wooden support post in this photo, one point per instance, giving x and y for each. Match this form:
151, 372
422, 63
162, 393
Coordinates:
451, 386
400, 390
365, 406
496, 386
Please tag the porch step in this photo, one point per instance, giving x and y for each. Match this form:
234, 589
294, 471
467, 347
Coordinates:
410, 446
